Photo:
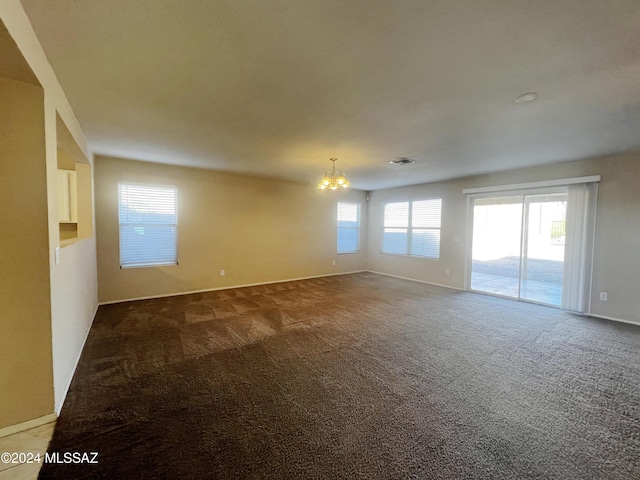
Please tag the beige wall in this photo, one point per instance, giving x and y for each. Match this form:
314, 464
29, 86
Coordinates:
262, 230
256, 229
26, 383
616, 263
74, 280
71, 285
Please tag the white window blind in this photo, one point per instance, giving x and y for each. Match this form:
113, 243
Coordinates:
396, 228
425, 228
148, 222
412, 228
348, 227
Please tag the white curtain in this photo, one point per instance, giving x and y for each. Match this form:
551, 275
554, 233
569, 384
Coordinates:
579, 238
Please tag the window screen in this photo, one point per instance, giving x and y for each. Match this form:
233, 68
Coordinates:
348, 227
412, 228
148, 221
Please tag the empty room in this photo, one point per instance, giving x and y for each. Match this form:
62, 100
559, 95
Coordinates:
320, 240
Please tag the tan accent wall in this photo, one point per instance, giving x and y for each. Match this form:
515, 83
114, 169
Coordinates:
256, 229
26, 371
616, 260
65, 162
71, 284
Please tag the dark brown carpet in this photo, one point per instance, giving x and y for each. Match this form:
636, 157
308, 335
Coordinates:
355, 376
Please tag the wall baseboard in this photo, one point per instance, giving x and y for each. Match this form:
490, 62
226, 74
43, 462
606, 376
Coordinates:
415, 280
603, 317
110, 302
58, 408
614, 319
29, 424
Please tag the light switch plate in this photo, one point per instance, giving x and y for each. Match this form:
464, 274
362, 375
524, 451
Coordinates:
56, 253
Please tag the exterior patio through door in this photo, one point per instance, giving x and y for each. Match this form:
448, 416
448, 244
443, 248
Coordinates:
518, 245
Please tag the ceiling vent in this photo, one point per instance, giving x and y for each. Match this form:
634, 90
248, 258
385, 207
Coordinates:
402, 161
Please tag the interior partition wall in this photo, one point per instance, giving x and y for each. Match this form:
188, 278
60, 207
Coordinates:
534, 242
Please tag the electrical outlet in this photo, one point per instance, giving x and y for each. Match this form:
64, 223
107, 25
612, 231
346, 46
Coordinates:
222, 273
603, 296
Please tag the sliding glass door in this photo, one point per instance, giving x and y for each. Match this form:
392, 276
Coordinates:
518, 246
543, 248
497, 245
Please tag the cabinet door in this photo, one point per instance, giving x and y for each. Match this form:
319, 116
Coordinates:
62, 189
73, 197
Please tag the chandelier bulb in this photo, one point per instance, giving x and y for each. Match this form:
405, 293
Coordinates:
333, 179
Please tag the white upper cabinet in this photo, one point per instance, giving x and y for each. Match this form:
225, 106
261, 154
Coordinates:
67, 196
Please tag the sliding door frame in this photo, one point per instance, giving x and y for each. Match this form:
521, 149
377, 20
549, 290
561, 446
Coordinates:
516, 192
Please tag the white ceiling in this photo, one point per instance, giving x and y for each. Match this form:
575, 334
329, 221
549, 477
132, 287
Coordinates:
277, 87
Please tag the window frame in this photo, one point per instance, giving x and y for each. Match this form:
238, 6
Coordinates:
409, 229
357, 228
120, 223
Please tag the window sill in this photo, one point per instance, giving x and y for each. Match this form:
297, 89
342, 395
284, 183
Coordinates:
148, 265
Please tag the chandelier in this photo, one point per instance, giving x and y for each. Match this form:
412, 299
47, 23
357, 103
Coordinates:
333, 179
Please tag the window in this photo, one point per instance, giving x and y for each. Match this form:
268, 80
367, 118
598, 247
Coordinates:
148, 220
412, 228
348, 227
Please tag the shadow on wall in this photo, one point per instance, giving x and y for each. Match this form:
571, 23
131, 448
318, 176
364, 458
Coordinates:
162, 278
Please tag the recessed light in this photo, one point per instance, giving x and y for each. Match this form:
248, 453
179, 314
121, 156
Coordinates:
527, 97
402, 161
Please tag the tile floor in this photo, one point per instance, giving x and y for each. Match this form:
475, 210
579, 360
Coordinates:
34, 440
